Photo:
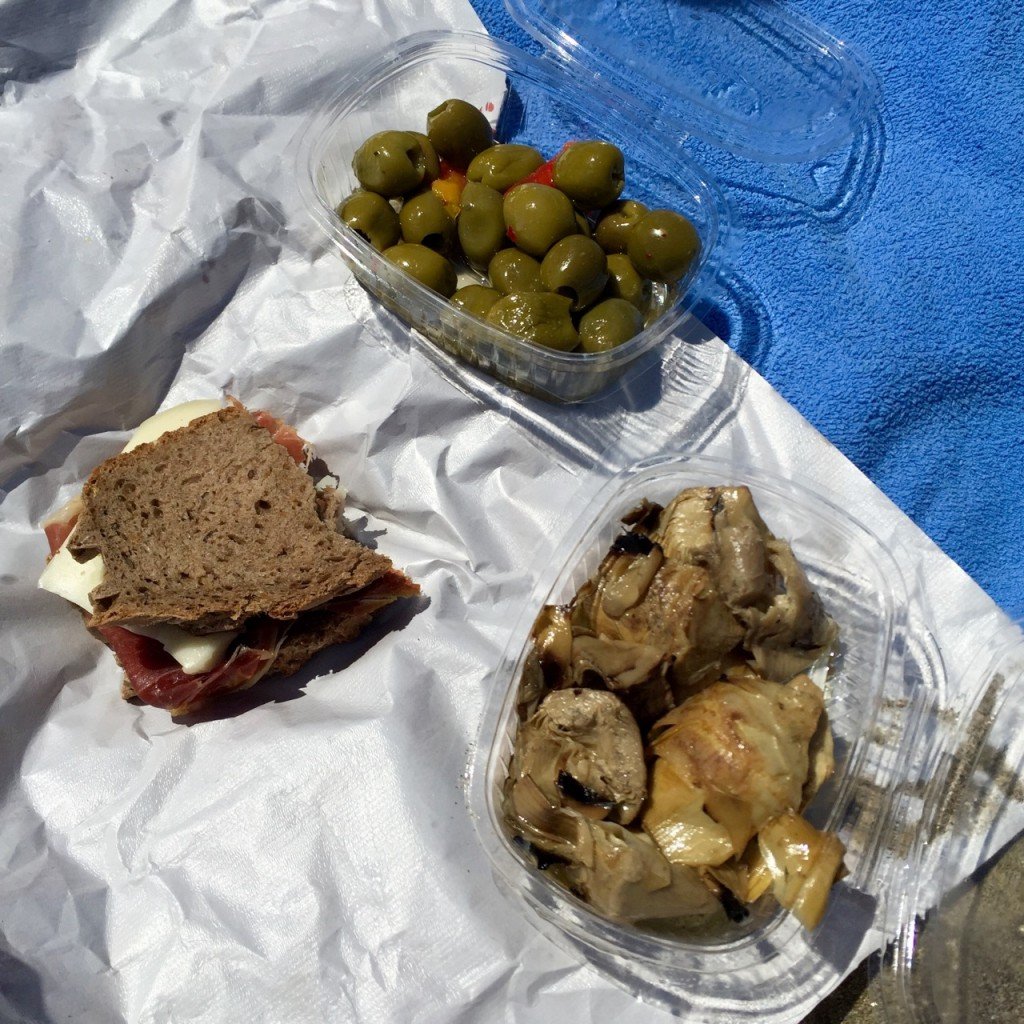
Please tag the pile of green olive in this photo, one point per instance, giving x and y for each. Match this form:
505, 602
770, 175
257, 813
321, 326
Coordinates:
555, 255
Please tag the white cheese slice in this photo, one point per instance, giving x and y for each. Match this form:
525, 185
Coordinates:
194, 654
74, 580
171, 419
70, 579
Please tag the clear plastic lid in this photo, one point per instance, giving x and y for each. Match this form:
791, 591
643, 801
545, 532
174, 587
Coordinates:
957, 902
750, 77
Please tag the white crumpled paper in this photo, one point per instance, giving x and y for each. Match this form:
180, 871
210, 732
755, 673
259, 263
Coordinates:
305, 854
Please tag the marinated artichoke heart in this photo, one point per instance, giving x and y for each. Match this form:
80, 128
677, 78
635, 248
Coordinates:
733, 764
737, 754
582, 749
668, 737
620, 872
803, 863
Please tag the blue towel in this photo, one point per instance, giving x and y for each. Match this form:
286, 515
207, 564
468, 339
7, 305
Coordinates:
888, 309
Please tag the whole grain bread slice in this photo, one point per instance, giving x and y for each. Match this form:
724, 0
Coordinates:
210, 525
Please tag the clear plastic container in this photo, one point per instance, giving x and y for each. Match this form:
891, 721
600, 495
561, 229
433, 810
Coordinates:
759, 82
959, 928
768, 967
410, 78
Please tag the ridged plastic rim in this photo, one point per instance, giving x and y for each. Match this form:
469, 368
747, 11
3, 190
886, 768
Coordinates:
907, 999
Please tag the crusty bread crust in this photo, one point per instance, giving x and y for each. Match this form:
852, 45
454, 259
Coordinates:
337, 622
316, 630
210, 525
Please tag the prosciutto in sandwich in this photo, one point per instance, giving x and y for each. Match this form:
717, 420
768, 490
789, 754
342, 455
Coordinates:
208, 555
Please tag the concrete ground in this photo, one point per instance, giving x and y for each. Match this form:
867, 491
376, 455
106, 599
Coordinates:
856, 1001
976, 956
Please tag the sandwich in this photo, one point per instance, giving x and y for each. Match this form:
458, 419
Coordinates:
208, 555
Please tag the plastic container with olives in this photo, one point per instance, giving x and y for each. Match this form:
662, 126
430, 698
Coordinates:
559, 259
406, 95
753, 80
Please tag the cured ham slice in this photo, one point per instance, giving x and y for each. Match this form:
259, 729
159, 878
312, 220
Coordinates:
157, 679
284, 435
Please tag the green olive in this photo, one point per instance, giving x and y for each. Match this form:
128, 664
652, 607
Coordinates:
537, 216
428, 267
577, 268
458, 132
608, 325
513, 271
425, 221
625, 283
391, 163
476, 299
540, 317
583, 225
591, 174
371, 217
481, 223
663, 246
616, 222
431, 161
503, 165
